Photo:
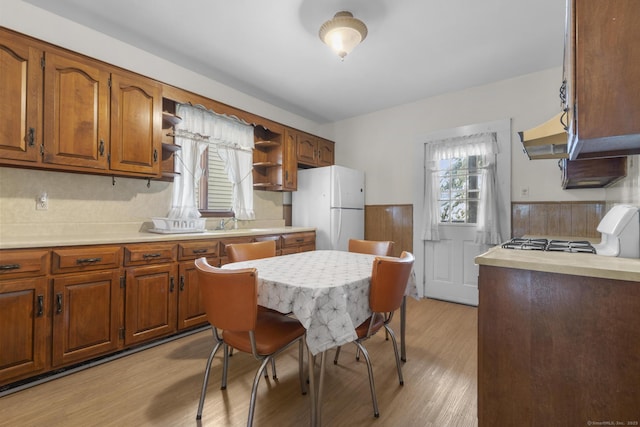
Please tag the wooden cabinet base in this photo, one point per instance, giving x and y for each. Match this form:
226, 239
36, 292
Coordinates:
556, 349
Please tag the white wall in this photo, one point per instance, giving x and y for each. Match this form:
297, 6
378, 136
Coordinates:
382, 143
627, 190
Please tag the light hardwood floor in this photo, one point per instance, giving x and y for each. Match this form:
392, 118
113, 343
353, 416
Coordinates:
161, 386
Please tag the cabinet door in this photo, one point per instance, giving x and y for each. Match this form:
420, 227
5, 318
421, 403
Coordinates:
136, 125
21, 105
151, 302
24, 326
76, 113
289, 162
307, 149
85, 315
325, 152
191, 311
606, 78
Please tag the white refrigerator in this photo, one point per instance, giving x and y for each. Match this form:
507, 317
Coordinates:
331, 199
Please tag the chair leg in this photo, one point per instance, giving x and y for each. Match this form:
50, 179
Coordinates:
372, 386
395, 350
254, 390
273, 369
335, 359
206, 380
303, 383
225, 367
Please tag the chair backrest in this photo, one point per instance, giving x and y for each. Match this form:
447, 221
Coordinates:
247, 251
372, 247
230, 297
389, 282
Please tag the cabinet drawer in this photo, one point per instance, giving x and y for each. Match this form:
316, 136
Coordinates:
144, 254
23, 263
267, 238
298, 239
64, 260
197, 249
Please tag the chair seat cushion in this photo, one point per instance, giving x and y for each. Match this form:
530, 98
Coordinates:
273, 331
378, 322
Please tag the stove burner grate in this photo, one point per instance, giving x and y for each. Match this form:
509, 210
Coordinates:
578, 246
526, 244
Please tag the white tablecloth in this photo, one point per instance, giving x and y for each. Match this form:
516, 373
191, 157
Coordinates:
327, 291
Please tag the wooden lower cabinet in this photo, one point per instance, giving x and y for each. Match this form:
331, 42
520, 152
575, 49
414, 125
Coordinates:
150, 302
65, 305
557, 349
191, 310
298, 242
24, 328
86, 317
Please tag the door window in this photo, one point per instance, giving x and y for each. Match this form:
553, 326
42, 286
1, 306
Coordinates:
459, 191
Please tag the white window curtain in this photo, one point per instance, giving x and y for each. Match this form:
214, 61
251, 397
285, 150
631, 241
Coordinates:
483, 144
234, 139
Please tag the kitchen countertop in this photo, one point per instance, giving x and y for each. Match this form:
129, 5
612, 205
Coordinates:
579, 264
120, 236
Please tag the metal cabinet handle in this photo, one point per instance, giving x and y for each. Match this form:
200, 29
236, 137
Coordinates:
200, 251
31, 137
10, 267
58, 303
40, 306
87, 260
155, 156
181, 283
171, 284
101, 147
146, 256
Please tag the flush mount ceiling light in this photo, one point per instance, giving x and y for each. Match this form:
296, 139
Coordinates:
343, 33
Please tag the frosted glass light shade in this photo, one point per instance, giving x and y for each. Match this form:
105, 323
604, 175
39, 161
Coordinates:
343, 33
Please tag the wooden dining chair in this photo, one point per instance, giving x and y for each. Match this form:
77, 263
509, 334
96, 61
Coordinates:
372, 247
389, 279
230, 298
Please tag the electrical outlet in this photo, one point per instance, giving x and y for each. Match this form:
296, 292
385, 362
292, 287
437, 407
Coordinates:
42, 202
524, 192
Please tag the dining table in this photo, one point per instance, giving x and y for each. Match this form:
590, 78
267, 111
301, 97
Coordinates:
328, 292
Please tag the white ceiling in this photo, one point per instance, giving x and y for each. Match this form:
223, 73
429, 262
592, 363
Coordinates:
270, 49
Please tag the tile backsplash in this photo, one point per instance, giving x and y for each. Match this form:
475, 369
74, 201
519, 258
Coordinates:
92, 202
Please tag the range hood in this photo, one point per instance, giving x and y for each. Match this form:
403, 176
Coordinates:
547, 141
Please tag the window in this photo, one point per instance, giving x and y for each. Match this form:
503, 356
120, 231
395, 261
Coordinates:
214, 191
459, 191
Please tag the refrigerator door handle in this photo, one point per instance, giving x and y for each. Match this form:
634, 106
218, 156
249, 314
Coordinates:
339, 229
338, 191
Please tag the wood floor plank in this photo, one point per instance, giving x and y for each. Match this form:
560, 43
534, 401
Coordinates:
161, 386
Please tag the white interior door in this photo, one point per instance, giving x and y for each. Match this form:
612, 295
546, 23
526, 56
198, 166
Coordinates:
450, 271
446, 268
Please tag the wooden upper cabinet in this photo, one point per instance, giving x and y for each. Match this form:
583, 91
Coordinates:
136, 124
312, 151
290, 162
602, 68
21, 107
325, 152
76, 112
306, 150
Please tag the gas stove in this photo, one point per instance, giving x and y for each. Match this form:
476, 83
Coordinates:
577, 246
